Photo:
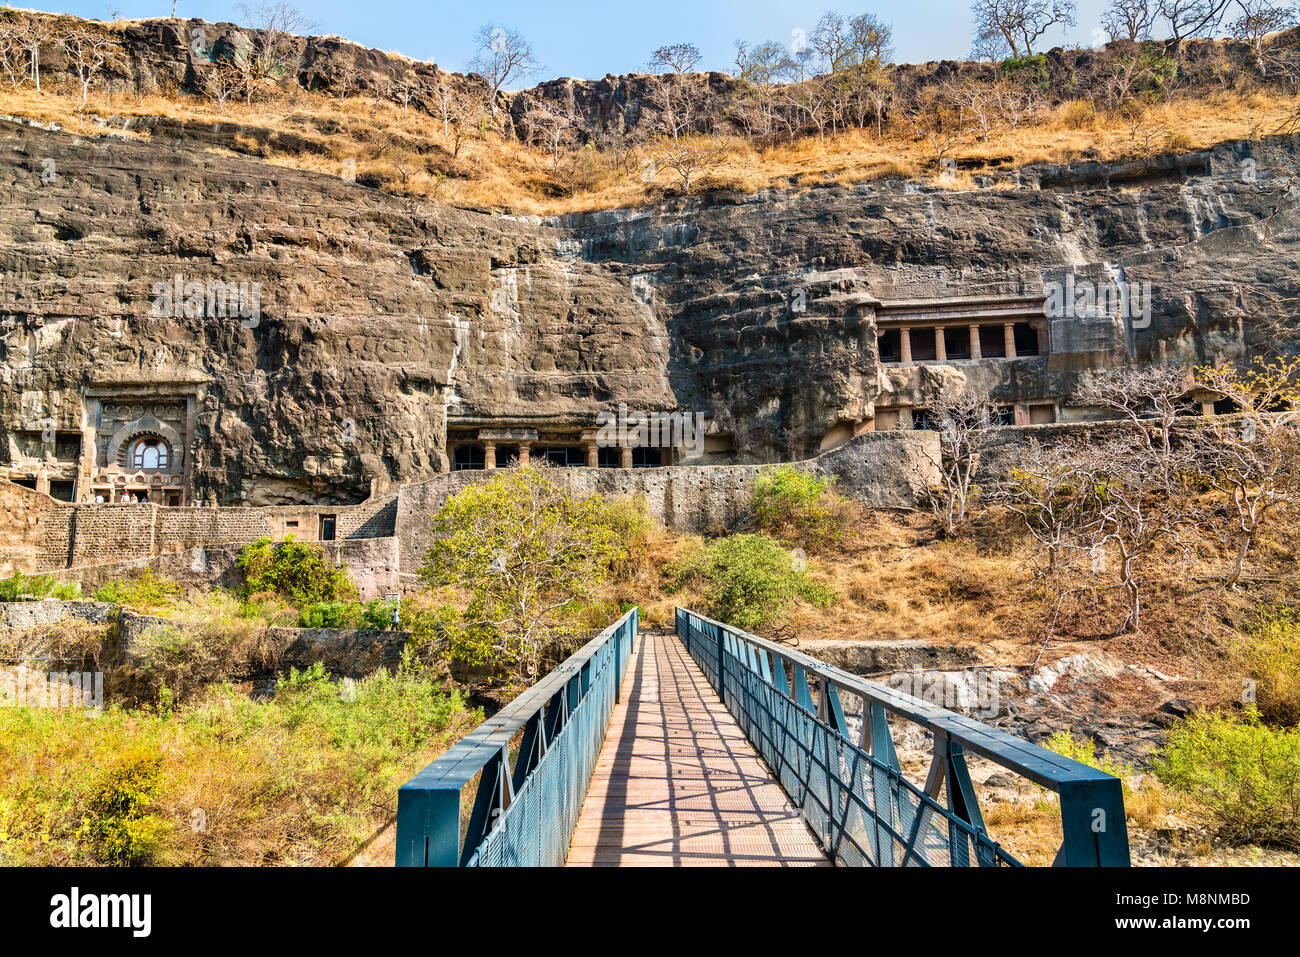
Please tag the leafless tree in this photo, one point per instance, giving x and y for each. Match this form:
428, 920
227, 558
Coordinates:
687, 156
88, 52
1258, 19
502, 55
550, 128
960, 414
222, 80
1129, 20
1148, 399
13, 53
1191, 18
1016, 25
939, 121
1253, 455
276, 22
466, 111
675, 58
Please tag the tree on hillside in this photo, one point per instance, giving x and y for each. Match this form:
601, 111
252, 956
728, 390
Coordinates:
1187, 19
676, 58
1253, 455
675, 96
960, 414
520, 548
1148, 398
1259, 19
502, 55
13, 53
276, 22
1129, 20
465, 110
1012, 27
688, 156
88, 52
222, 80
551, 128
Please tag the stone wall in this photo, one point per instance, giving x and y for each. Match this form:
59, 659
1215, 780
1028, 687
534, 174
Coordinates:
372, 563
42, 534
879, 469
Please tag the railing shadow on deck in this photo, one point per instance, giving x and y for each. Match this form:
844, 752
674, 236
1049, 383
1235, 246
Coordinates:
852, 792
524, 809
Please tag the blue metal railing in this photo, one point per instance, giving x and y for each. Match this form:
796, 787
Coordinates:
525, 811
852, 792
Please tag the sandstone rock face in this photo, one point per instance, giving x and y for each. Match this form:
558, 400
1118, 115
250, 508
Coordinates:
382, 321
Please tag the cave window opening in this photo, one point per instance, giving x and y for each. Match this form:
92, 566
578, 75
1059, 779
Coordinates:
1026, 337
644, 457
956, 342
469, 457
149, 453
569, 456
923, 345
891, 348
609, 457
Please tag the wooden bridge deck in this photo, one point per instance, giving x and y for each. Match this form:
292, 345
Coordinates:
677, 782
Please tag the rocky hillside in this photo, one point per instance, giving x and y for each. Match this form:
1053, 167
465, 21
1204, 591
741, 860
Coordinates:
394, 314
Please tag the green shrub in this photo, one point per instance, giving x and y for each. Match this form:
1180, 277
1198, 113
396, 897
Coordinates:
307, 776
149, 592
33, 588
1270, 654
1246, 774
795, 506
294, 570
1027, 70
748, 580
119, 824
1083, 750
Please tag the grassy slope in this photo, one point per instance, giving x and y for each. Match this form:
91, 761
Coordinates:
409, 154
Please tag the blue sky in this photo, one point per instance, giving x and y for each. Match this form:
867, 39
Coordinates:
587, 38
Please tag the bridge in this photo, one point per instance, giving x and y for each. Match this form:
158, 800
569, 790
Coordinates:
714, 747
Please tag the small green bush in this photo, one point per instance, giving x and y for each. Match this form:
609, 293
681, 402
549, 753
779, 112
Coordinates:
149, 592
1083, 750
297, 571
795, 506
1246, 774
119, 825
34, 588
748, 580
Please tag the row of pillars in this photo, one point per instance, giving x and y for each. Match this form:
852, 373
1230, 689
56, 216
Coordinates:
589, 446
940, 350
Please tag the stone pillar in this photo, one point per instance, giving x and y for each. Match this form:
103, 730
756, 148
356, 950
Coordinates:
1207, 408
625, 457
975, 341
523, 453
905, 346
489, 455
1009, 339
593, 454
940, 347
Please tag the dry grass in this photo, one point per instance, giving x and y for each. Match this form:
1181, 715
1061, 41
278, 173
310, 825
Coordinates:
410, 154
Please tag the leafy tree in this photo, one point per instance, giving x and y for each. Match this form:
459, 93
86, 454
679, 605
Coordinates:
502, 55
524, 550
297, 571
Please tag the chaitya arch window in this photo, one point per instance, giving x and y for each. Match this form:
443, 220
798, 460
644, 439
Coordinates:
149, 452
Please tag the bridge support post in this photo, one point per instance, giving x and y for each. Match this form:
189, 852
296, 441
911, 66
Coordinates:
1092, 819
430, 823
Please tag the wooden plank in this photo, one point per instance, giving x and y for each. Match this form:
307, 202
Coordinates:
677, 783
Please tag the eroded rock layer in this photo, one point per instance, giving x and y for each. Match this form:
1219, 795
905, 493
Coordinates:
352, 332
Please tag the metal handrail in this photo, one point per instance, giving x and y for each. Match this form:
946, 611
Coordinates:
575, 701
1092, 801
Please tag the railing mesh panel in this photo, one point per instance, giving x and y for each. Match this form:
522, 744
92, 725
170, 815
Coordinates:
864, 812
535, 829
